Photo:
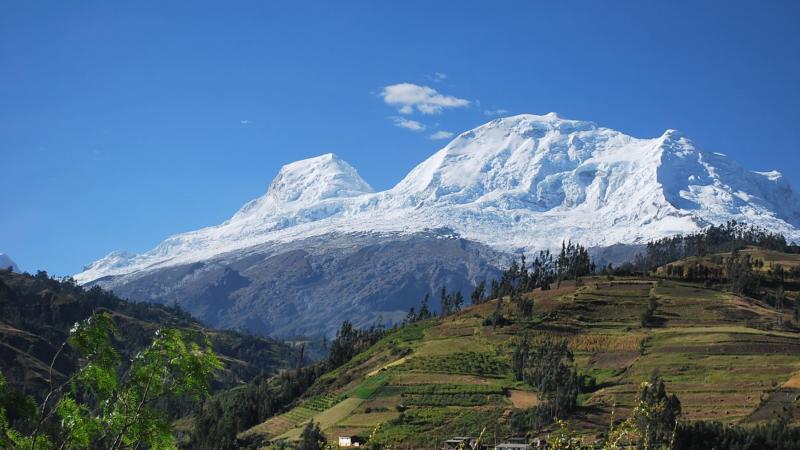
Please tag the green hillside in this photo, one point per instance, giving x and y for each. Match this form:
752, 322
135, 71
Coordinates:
37, 312
728, 358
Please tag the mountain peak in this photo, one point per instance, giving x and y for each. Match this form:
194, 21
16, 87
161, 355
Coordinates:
315, 179
305, 183
519, 182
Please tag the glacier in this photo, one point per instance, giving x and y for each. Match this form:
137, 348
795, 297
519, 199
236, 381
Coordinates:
517, 184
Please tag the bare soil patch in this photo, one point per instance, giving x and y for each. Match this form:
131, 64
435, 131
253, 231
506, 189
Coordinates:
613, 360
523, 399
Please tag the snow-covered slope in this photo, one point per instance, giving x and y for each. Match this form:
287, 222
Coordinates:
518, 183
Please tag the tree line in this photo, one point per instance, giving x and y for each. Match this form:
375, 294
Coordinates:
521, 277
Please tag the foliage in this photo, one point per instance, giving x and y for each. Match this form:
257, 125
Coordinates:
548, 367
451, 302
467, 363
226, 414
350, 342
740, 275
104, 408
704, 435
728, 237
312, 438
478, 295
565, 438
46, 308
653, 421
648, 316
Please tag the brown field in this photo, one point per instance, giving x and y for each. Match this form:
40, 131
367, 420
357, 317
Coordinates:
523, 399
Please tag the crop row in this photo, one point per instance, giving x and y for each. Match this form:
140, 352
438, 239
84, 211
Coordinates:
300, 414
321, 402
450, 399
441, 389
469, 363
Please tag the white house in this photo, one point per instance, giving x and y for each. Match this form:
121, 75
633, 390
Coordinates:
349, 441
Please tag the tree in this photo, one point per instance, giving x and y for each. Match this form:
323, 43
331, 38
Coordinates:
411, 317
797, 308
653, 421
451, 302
99, 408
497, 315
549, 368
424, 310
658, 412
444, 301
564, 438
312, 438
649, 314
524, 305
478, 293
780, 297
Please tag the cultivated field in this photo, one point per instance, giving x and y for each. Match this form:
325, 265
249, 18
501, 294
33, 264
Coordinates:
728, 359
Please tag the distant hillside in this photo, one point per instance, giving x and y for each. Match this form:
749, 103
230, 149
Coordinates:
36, 313
309, 287
729, 358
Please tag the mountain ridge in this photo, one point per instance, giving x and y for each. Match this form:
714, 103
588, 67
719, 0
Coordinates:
520, 183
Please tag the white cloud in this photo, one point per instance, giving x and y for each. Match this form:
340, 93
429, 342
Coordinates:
245, 122
407, 96
442, 135
408, 124
495, 112
439, 76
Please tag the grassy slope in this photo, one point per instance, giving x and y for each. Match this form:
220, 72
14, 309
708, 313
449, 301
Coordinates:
727, 358
36, 314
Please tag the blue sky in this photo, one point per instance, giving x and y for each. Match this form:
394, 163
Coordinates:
123, 123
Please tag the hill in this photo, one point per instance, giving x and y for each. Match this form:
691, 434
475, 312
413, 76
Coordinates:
37, 312
729, 358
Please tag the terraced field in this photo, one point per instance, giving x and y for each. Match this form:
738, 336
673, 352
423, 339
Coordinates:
727, 358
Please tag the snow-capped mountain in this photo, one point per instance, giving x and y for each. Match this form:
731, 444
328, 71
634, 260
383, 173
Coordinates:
321, 246
517, 184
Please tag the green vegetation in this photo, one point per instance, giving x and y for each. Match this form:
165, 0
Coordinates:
571, 366
368, 388
312, 438
37, 313
548, 351
467, 363
224, 416
98, 407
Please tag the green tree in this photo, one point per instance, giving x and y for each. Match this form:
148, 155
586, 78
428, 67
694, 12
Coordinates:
102, 406
658, 412
653, 422
312, 438
780, 296
477, 296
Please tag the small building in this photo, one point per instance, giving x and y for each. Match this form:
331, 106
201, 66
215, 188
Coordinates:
513, 446
458, 442
350, 441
